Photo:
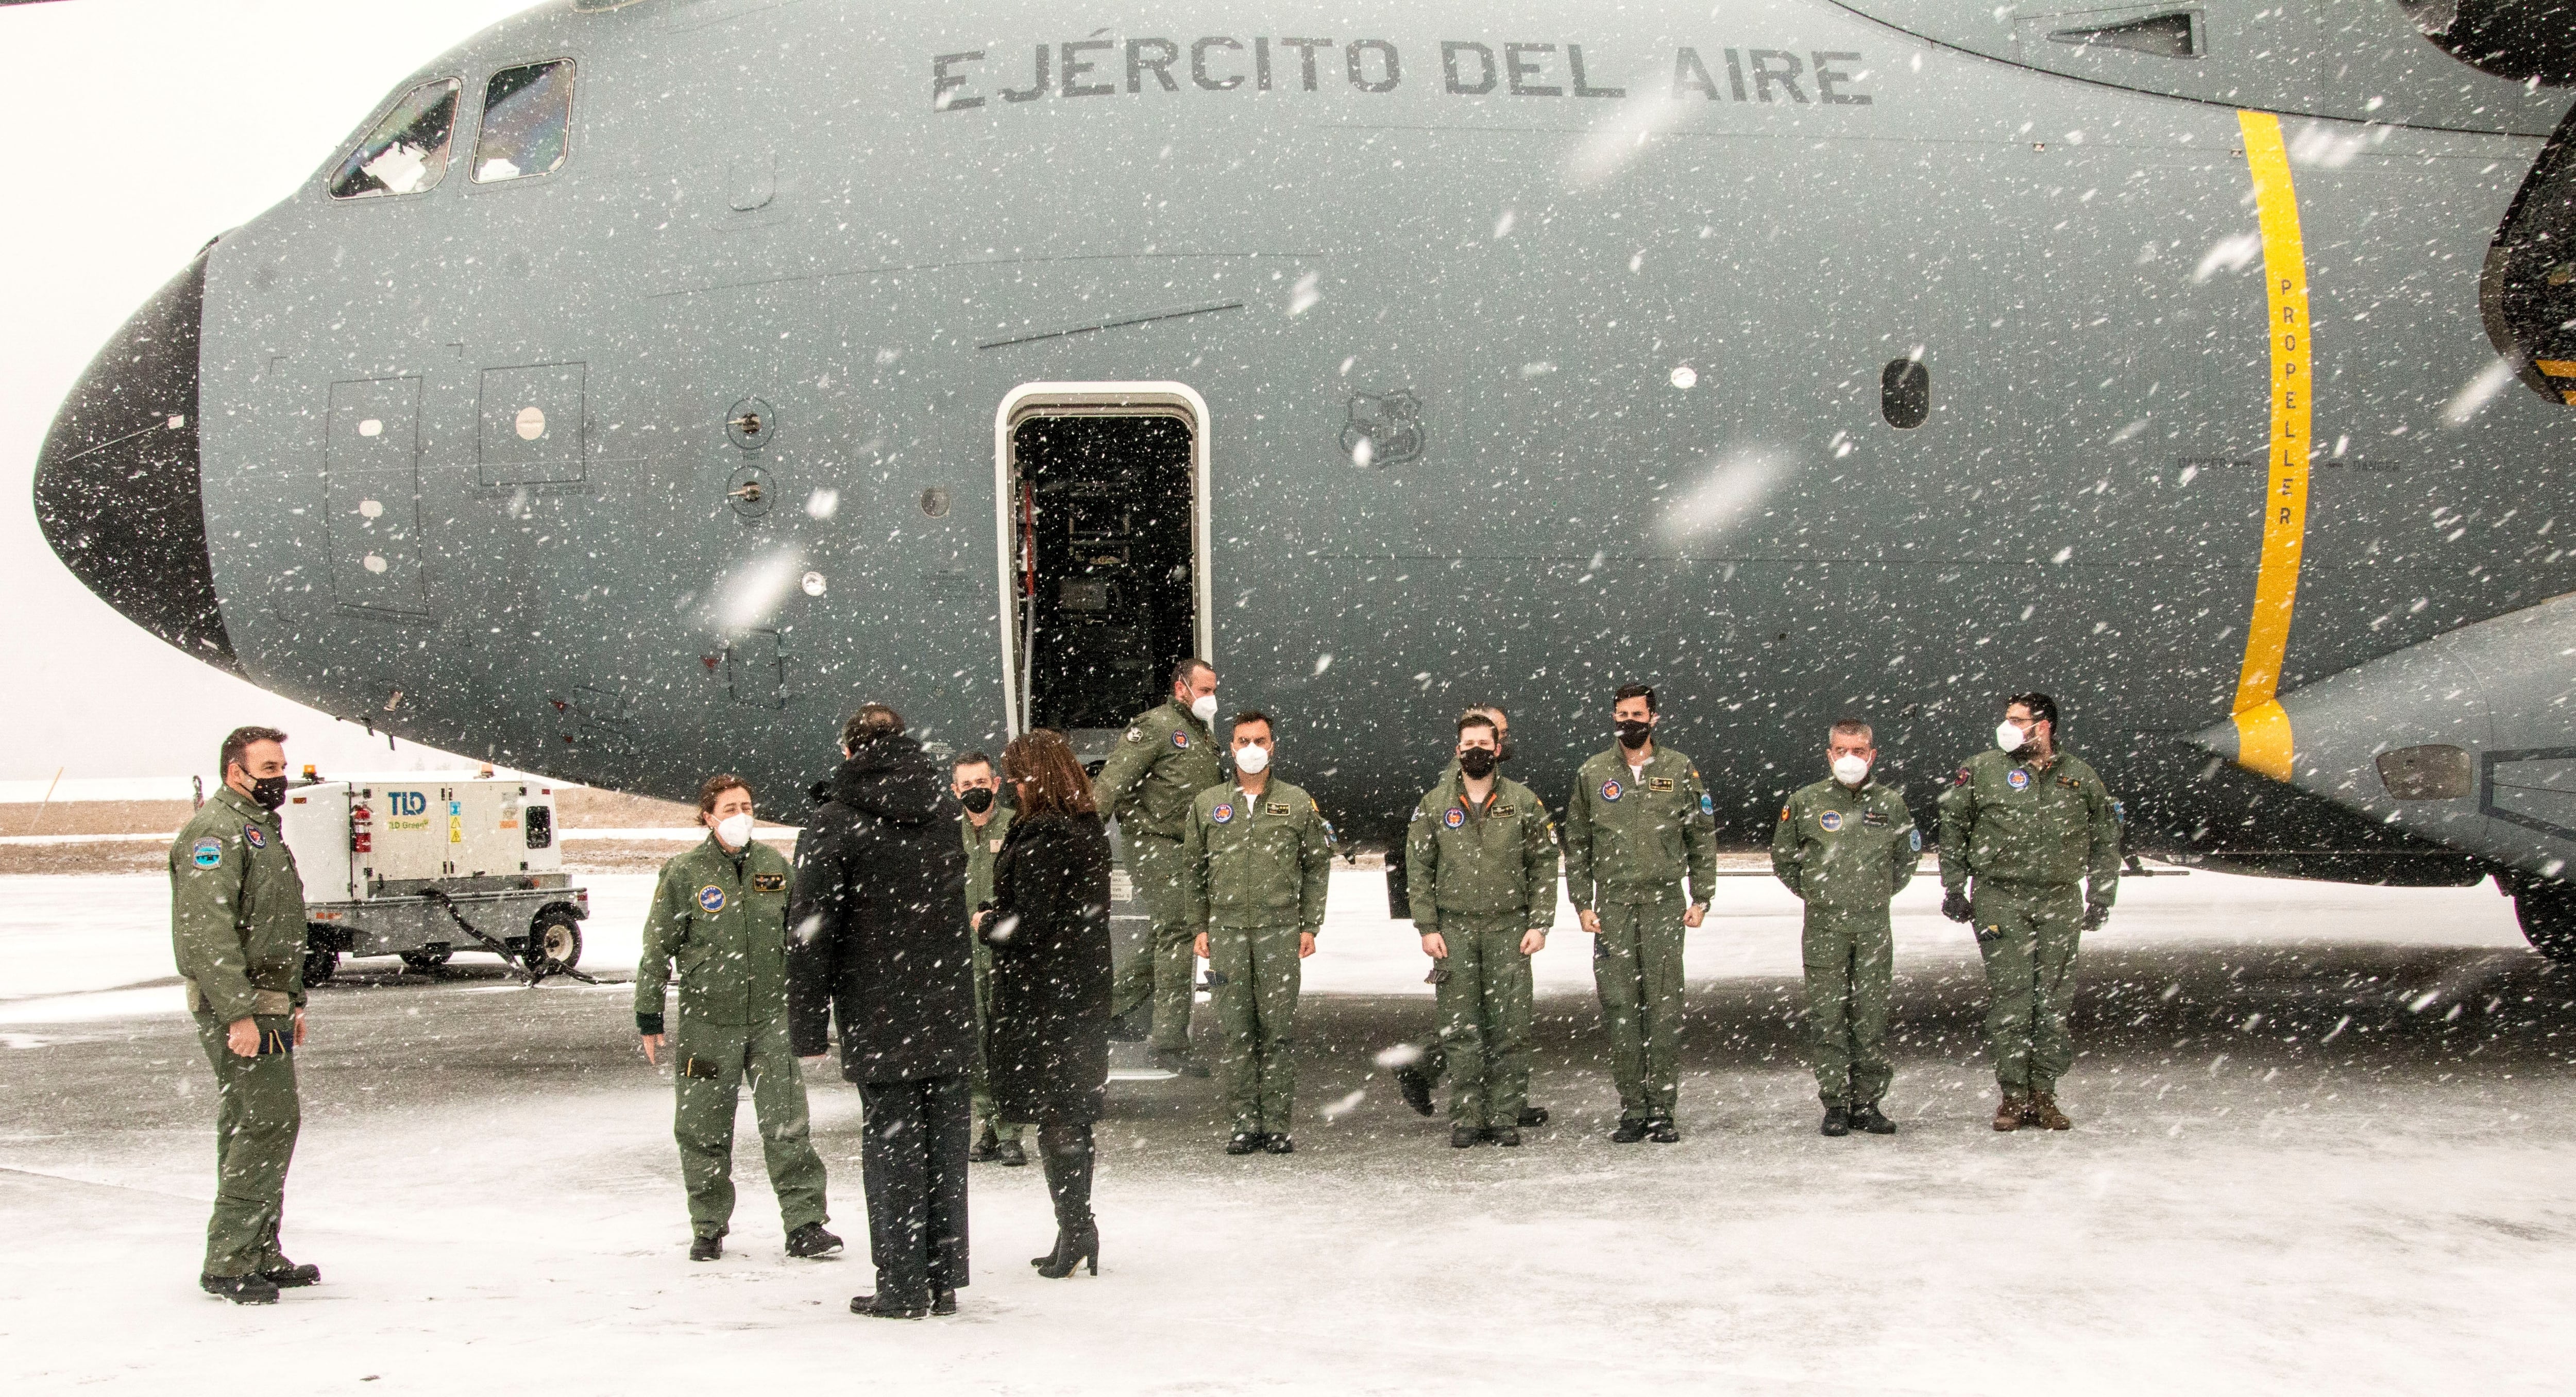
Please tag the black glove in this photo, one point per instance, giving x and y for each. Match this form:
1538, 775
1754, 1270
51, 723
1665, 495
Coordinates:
1955, 905
2095, 914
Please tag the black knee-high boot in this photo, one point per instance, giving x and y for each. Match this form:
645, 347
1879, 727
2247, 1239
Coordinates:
1067, 1153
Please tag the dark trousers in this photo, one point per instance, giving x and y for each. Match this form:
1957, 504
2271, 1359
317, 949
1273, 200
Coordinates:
912, 1159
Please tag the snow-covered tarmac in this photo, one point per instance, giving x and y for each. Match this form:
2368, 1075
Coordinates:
2324, 1140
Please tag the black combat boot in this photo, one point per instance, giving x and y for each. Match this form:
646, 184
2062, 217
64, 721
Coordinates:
1507, 1136
286, 1275
1011, 1155
944, 1303
707, 1246
985, 1146
1662, 1131
1244, 1142
1867, 1118
1278, 1144
1532, 1116
811, 1240
1628, 1133
1416, 1087
1837, 1121
884, 1307
1464, 1136
252, 1289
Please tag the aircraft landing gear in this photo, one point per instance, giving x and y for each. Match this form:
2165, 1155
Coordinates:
2547, 910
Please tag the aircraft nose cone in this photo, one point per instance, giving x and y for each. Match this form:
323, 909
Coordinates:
117, 490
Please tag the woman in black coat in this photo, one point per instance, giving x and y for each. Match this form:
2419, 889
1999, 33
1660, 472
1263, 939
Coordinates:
1047, 1040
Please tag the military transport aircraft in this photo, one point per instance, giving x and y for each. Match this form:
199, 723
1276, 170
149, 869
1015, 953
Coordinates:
647, 381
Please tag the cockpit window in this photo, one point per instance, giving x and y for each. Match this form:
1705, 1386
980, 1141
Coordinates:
526, 113
407, 152
2529, 289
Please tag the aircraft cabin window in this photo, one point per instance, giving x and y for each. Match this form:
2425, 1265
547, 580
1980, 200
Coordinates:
527, 115
407, 152
1905, 393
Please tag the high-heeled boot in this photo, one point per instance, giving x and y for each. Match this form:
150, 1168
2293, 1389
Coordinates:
1067, 1154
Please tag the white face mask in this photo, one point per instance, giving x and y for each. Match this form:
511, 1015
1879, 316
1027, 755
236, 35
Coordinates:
734, 831
1203, 708
1252, 761
1850, 769
2009, 737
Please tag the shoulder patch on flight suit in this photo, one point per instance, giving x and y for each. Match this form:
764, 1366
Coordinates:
1659, 783
711, 898
207, 853
1914, 840
1135, 734
1704, 804
1277, 807
769, 882
254, 836
1707, 803
1961, 779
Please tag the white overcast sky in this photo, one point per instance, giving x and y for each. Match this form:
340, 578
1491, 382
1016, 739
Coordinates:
130, 132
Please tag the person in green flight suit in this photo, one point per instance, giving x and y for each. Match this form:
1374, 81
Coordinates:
237, 932
720, 912
2030, 852
1639, 821
1846, 846
1168, 756
1257, 861
985, 823
1481, 876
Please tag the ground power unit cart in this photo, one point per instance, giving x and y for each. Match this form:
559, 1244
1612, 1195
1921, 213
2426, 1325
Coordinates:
424, 864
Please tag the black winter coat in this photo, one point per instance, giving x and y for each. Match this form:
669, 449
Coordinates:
1046, 1045
877, 931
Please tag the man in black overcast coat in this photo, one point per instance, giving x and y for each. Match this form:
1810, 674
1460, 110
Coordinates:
880, 942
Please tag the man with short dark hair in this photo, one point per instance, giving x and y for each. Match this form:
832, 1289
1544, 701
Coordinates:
1846, 846
1637, 824
882, 950
1481, 867
720, 911
1256, 864
983, 823
237, 932
2030, 852
1167, 757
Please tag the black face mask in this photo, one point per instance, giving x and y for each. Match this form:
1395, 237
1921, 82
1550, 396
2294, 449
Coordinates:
1478, 762
1504, 746
268, 792
976, 799
1633, 734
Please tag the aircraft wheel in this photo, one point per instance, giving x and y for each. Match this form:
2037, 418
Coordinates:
427, 959
320, 964
554, 940
2548, 915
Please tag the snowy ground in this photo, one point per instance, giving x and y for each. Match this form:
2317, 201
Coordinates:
2324, 1138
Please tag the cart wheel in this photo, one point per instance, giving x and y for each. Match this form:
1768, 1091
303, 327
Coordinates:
320, 964
554, 941
424, 961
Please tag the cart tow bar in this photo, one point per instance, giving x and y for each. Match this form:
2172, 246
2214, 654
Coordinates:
530, 965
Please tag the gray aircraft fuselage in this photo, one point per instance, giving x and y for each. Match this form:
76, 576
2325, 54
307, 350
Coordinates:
1637, 280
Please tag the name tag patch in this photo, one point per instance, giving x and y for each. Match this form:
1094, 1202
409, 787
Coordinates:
1659, 784
207, 853
1874, 819
1276, 807
769, 882
711, 898
1505, 812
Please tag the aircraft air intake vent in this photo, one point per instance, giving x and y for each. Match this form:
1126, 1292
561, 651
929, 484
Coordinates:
2174, 35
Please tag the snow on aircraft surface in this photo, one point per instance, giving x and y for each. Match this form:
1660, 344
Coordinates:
647, 382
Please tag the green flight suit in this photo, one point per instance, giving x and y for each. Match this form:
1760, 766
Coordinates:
1166, 758
2032, 839
1481, 877
1630, 839
237, 933
723, 918
1255, 870
1846, 853
981, 847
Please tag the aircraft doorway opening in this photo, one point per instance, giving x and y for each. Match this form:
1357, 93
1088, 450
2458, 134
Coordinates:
1104, 489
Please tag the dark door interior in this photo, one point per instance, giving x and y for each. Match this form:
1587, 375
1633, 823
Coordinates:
1106, 585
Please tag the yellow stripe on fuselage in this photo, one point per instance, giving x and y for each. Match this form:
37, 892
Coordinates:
2262, 726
